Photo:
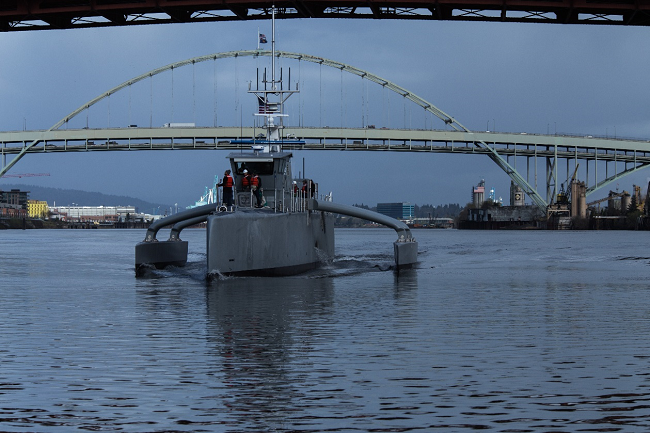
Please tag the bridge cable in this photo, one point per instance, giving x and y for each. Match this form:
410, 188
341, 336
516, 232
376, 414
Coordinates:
301, 108
387, 124
320, 84
367, 101
363, 103
237, 107
341, 92
384, 104
214, 94
130, 122
151, 102
194, 92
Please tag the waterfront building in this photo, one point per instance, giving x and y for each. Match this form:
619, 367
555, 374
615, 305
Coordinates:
12, 211
14, 197
13, 204
400, 211
37, 209
96, 213
100, 214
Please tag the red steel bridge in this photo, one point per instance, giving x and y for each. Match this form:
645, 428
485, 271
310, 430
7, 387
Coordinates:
25, 15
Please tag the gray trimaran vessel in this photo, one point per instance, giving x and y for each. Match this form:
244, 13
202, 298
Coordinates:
294, 230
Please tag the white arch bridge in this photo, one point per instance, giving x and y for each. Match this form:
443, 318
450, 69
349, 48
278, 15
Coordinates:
602, 160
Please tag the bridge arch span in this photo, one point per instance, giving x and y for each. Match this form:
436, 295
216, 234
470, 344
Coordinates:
427, 106
447, 119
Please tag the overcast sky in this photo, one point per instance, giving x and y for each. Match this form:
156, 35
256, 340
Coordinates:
530, 78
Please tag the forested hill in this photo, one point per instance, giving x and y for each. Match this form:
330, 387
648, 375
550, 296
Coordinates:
65, 197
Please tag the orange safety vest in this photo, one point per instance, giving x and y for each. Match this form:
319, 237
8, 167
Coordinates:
255, 181
227, 181
246, 181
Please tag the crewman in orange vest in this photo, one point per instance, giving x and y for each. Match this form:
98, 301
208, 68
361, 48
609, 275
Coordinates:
255, 181
246, 181
227, 184
256, 187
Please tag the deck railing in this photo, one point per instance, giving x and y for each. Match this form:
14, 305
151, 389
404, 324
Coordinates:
282, 200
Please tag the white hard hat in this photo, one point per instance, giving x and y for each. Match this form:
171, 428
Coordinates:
294, 181
245, 171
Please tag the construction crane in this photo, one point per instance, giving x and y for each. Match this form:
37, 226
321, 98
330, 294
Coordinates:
612, 196
26, 175
565, 197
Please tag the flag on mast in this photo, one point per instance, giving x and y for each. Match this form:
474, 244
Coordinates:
263, 107
262, 38
266, 107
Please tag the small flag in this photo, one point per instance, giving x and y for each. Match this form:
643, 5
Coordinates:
263, 108
262, 38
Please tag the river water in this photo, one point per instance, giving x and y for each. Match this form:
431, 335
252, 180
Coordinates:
508, 331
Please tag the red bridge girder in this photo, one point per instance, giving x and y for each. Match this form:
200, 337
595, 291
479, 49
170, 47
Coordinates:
24, 15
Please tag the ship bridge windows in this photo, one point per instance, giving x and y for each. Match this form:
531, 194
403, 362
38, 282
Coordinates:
261, 168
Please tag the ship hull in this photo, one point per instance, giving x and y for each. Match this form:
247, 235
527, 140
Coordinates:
261, 242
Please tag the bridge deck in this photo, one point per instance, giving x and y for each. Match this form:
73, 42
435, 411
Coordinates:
367, 139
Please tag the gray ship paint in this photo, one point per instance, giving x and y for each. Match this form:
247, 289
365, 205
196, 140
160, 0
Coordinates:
266, 243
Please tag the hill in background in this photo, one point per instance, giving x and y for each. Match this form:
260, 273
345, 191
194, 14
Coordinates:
65, 197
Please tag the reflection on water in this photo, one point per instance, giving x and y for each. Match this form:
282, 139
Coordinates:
261, 333
405, 281
525, 332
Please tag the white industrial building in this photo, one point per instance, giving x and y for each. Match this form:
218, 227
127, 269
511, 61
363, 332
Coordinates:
100, 214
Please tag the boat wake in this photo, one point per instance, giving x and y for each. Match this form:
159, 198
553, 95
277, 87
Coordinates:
195, 270
347, 265
339, 266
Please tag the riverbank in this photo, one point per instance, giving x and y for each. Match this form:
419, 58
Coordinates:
28, 224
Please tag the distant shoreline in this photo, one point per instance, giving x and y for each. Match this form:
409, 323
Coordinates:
30, 224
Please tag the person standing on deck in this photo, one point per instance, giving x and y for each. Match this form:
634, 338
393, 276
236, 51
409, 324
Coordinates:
227, 184
256, 187
246, 181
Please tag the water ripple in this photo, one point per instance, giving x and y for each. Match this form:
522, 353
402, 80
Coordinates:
508, 332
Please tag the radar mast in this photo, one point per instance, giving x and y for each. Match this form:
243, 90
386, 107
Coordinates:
271, 97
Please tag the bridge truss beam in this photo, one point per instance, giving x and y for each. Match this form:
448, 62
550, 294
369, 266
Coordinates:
25, 15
